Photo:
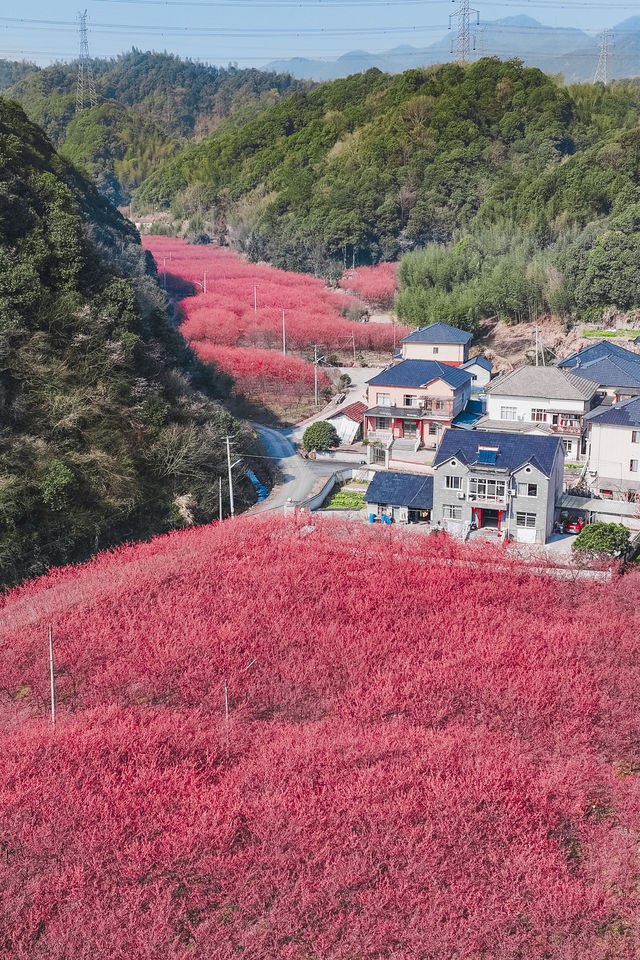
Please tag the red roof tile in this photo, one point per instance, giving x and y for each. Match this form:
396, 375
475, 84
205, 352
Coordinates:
355, 412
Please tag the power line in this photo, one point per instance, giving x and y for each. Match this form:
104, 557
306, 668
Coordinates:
86, 90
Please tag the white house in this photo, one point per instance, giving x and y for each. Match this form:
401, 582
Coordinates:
614, 449
480, 369
439, 341
542, 400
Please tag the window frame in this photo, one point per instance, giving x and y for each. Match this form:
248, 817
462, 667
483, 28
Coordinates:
383, 423
526, 525
528, 494
412, 398
538, 415
381, 401
450, 484
455, 511
509, 419
633, 469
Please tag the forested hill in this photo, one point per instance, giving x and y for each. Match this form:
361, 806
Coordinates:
147, 104
109, 427
381, 164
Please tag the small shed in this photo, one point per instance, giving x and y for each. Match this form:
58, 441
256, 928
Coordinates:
348, 422
404, 497
480, 369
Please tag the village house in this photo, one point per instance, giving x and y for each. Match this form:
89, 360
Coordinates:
542, 400
614, 449
401, 497
480, 369
615, 370
439, 341
409, 406
505, 482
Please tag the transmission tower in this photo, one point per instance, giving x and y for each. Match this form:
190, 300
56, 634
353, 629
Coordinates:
602, 70
464, 39
86, 90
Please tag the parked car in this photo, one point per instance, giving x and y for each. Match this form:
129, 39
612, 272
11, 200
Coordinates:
573, 525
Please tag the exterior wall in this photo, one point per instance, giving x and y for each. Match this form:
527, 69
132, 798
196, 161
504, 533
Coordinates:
612, 450
347, 429
436, 390
524, 405
453, 353
480, 375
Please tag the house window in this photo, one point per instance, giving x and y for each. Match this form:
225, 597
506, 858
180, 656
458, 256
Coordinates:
633, 466
379, 455
436, 350
439, 404
383, 399
526, 521
538, 416
482, 488
453, 483
508, 413
451, 511
635, 436
527, 489
568, 446
383, 423
409, 400
434, 429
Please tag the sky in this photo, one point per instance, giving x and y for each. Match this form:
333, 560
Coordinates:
253, 32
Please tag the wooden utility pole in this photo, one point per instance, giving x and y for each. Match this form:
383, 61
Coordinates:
230, 476
53, 685
284, 337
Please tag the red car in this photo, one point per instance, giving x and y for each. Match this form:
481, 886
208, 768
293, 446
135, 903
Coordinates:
574, 525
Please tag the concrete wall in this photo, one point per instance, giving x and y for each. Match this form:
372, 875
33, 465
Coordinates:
612, 449
482, 376
455, 353
436, 390
524, 406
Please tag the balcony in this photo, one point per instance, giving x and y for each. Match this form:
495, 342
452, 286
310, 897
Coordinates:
566, 430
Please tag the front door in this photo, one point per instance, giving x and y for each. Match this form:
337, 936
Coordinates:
489, 519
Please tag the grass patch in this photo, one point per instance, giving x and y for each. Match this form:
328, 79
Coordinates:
610, 333
346, 500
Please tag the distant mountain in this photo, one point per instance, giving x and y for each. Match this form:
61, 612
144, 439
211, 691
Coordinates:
558, 50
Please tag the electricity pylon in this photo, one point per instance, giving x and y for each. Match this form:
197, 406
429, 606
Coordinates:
602, 70
86, 89
464, 39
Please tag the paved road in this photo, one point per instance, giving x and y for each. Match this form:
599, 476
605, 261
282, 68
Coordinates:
298, 476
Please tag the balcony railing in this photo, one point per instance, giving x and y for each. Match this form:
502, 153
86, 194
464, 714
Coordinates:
573, 430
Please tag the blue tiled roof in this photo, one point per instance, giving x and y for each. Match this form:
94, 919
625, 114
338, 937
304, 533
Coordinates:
480, 361
401, 490
623, 414
585, 362
611, 372
438, 333
514, 449
416, 373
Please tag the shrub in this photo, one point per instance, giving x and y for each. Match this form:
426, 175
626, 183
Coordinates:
600, 537
55, 485
320, 436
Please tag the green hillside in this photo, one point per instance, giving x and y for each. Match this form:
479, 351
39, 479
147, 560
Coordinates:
380, 164
147, 103
110, 429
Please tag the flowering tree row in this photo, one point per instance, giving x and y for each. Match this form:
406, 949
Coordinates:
375, 285
430, 751
263, 374
244, 303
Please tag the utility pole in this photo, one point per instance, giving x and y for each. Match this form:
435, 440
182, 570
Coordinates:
464, 38
316, 361
220, 496
255, 298
86, 88
230, 476
51, 671
204, 282
353, 341
537, 364
284, 337
602, 70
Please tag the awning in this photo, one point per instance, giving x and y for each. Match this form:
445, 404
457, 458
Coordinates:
609, 508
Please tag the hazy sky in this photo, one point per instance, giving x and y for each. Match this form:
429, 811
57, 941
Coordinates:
253, 32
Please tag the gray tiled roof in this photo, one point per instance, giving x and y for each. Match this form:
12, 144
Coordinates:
623, 414
438, 332
401, 490
611, 372
515, 450
417, 373
548, 383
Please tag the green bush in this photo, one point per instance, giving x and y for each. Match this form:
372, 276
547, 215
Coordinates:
611, 538
55, 485
320, 436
